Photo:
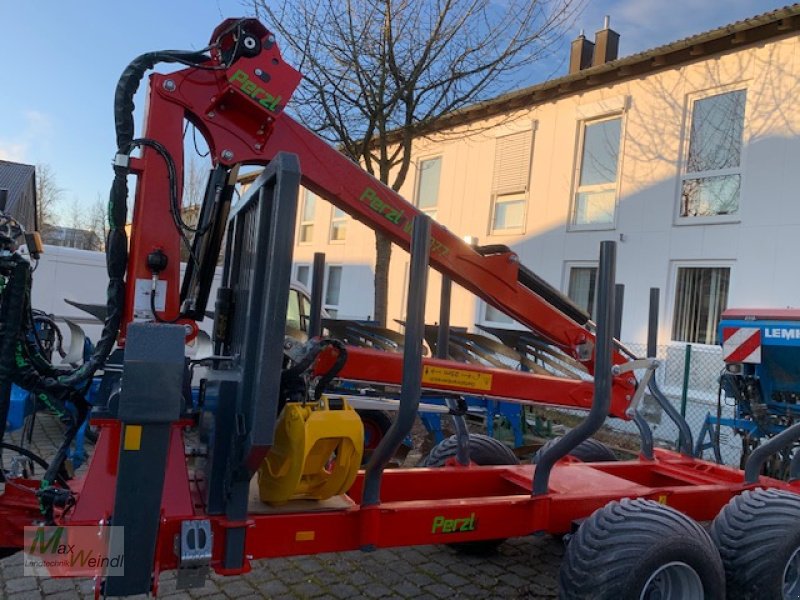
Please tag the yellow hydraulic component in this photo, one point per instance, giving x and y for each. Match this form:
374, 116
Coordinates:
316, 453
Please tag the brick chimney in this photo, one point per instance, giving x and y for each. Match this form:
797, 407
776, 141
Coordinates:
580, 56
606, 44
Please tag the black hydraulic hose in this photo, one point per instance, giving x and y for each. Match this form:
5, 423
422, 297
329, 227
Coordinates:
52, 473
129, 81
12, 309
15, 363
341, 359
33, 457
117, 240
29, 370
37, 317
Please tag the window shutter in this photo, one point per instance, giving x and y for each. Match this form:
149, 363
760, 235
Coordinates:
512, 163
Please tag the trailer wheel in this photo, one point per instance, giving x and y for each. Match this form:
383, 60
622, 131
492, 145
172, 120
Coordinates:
758, 536
376, 424
587, 451
641, 550
484, 451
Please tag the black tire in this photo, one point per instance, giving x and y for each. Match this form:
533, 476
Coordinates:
758, 533
484, 451
587, 451
376, 424
617, 551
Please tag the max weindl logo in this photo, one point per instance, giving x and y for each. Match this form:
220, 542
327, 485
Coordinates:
74, 551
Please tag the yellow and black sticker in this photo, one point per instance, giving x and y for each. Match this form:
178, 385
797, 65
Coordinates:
470, 380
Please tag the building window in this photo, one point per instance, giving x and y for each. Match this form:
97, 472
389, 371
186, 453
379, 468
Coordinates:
333, 289
701, 294
428, 178
338, 225
306, 229
303, 275
510, 181
711, 182
492, 315
509, 212
581, 287
596, 194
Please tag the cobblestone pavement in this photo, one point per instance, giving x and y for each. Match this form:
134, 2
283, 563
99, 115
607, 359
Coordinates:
523, 568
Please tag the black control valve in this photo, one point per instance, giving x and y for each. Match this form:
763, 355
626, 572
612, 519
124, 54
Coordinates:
157, 261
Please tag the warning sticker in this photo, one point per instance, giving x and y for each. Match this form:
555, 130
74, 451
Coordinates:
457, 378
741, 345
142, 309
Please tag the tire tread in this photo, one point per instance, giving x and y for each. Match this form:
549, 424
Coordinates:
616, 538
483, 450
750, 532
589, 450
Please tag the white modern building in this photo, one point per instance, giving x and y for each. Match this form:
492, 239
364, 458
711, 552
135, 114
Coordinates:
688, 155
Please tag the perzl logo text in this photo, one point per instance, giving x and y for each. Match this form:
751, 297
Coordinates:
442, 525
257, 93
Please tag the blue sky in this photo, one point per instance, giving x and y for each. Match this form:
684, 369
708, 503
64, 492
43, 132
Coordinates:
61, 62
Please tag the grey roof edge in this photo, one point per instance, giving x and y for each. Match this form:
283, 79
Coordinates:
774, 24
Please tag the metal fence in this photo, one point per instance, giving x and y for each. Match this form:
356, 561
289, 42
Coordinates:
689, 377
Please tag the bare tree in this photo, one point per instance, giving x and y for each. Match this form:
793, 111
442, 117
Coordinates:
97, 221
48, 194
380, 73
83, 229
195, 176
76, 215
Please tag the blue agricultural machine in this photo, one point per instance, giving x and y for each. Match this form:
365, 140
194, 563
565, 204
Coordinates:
761, 381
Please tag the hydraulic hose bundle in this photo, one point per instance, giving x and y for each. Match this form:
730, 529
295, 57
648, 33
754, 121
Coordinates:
22, 362
117, 240
37, 375
294, 378
16, 270
22, 358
